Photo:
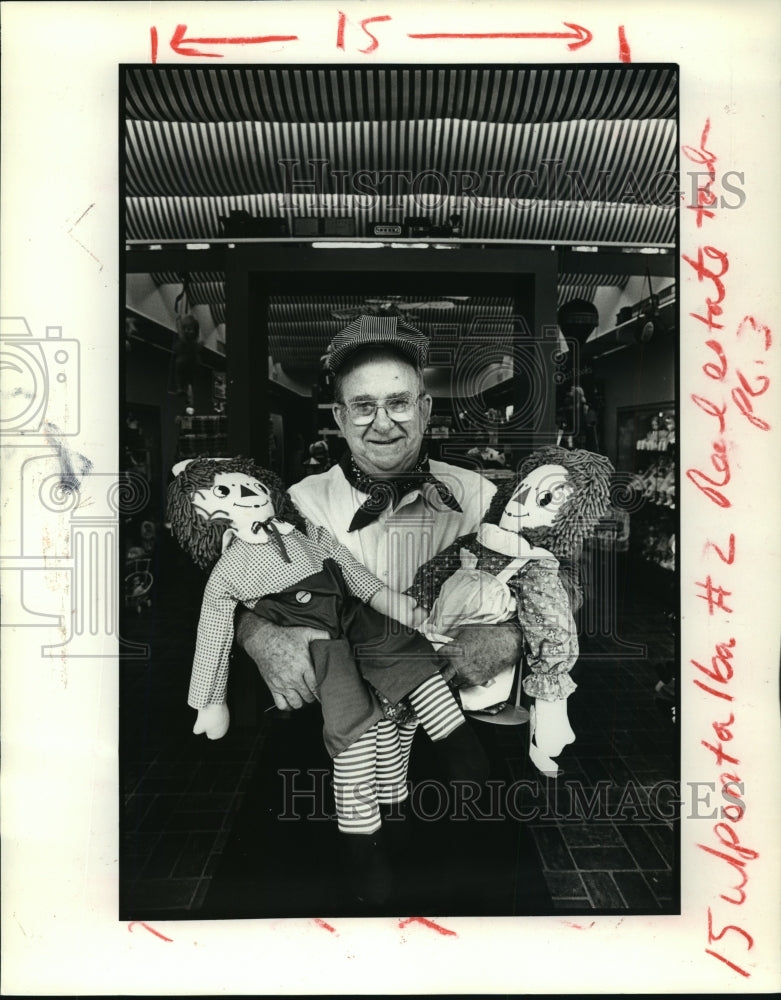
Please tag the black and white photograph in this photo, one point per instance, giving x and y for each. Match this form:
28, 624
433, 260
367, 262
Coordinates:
389, 548
421, 322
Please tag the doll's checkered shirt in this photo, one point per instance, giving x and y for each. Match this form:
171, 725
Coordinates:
244, 574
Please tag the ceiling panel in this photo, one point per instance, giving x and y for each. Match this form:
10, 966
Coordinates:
378, 93
619, 160
599, 144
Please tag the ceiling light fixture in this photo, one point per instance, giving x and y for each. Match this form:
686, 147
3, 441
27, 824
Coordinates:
347, 245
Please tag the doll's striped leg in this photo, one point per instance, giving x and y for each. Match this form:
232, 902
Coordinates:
435, 706
406, 736
441, 717
355, 791
366, 865
392, 761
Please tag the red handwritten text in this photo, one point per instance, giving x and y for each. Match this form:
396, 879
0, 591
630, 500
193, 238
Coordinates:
576, 36
729, 558
582, 36
183, 46
151, 930
728, 848
705, 194
373, 44
427, 923
624, 54
734, 368
325, 925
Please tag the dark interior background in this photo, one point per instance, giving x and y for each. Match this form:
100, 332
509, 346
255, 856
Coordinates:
244, 194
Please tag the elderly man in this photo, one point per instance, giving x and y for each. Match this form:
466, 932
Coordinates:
390, 506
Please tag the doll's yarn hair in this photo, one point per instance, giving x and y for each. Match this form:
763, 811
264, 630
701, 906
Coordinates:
202, 538
588, 473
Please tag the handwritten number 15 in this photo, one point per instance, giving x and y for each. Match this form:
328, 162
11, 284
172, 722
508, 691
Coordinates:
373, 44
717, 937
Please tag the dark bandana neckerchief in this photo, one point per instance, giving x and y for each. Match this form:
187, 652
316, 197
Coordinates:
387, 491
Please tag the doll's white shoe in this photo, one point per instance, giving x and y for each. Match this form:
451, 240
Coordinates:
544, 763
213, 720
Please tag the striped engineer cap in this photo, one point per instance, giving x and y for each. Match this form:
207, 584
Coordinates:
385, 331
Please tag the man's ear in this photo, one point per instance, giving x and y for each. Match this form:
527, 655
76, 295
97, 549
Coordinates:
426, 405
339, 417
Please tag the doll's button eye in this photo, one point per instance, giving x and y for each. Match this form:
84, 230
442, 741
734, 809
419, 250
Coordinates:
303, 597
544, 499
221, 491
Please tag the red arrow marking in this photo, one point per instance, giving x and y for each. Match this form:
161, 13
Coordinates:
150, 929
428, 923
582, 35
623, 45
178, 40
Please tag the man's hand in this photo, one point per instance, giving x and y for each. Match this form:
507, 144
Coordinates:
480, 652
281, 654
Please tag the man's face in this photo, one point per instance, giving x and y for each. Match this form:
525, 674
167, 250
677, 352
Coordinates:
538, 499
238, 498
385, 445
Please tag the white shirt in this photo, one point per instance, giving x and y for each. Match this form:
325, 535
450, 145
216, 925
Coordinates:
397, 544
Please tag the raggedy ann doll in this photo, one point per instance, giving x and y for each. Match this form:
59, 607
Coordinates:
232, 516
519, 565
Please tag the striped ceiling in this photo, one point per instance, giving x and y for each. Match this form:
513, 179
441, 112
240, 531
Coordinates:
382, 93
543, 154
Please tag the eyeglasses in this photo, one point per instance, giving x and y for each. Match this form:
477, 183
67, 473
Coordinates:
398, 408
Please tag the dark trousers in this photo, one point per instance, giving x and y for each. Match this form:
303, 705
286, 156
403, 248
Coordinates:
365, 646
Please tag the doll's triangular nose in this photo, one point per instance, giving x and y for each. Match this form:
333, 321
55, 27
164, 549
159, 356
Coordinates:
247, 492
522, 494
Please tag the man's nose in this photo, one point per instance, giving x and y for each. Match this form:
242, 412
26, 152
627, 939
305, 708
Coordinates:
381, 420
245, 492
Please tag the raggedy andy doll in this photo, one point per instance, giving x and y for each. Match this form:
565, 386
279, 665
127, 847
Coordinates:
238, 520
514, 568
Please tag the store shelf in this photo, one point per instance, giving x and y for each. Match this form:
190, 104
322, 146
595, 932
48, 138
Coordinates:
646, 449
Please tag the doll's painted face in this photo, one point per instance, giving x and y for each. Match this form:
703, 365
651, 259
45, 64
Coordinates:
239, 498
538, 499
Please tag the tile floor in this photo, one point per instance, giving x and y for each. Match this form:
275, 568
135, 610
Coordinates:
180, 795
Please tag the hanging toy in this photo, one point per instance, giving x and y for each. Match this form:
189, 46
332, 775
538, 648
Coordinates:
519, 567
